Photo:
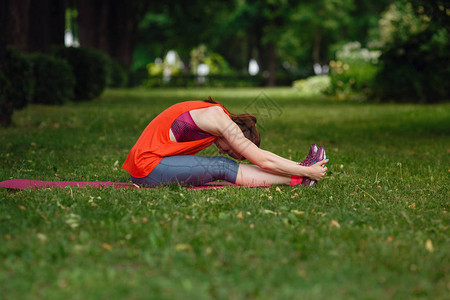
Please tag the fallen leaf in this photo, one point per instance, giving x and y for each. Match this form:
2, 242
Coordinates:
298, 212
21, 207
334, 223
301, 273
182, 247
73, 220
62, 283
268, 211
278, 189
429, 246
390, 239
106, 246
42, 237
240, 216
412, 206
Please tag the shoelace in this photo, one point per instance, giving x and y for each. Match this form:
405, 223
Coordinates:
307, 161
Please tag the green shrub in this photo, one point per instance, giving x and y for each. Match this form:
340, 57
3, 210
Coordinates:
54, 79
117, 75
137, 77
16, 84
416, 70
313, 85
353, 71
415, 36
89, 68
191, 80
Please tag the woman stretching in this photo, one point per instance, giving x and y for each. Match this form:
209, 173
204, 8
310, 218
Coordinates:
164, 153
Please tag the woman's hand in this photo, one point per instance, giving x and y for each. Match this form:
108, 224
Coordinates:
318, 170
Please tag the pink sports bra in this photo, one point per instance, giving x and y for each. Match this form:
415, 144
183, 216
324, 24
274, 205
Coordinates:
185, 130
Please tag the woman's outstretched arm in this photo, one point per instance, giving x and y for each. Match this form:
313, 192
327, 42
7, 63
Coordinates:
215, 121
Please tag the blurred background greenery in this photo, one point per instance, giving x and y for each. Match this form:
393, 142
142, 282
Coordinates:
386, 50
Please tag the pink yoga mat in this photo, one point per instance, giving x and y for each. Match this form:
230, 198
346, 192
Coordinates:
21, 184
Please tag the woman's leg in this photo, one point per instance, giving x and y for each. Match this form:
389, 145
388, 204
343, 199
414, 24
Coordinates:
254, 175
190, 170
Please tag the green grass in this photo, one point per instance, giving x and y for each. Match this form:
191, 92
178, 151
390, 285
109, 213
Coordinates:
376, 227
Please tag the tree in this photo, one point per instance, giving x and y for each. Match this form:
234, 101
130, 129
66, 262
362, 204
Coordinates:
111, 26
173, 24
319, 27
47, 25
14, 25
275, 32
31, 25
416, 36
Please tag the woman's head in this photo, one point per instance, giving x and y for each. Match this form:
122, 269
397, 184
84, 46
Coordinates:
247, 124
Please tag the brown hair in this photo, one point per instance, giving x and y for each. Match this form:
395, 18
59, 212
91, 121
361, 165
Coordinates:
247, 123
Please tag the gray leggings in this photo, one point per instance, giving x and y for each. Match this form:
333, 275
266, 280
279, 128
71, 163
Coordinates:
190, 170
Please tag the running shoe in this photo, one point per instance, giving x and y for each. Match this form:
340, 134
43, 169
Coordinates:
319, 156
309, 160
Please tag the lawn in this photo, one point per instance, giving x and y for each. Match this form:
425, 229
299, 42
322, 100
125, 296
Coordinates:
376, 227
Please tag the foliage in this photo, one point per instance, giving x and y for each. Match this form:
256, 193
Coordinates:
216, 63
89, 67
175, 25
54, 80
172, 72
313, 85
116, 74
376, 227
16, 84
291, 35
435, 12
412, 71
418, 43
190, 80
166, 67
399, 22
137, 77
353, 71
5, 106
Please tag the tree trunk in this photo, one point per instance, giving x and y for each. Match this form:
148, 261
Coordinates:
122, 32
271, 64
47, 24
316, 46
31, 25
93, 24
110, 26
5, 116
14, 24
3, 24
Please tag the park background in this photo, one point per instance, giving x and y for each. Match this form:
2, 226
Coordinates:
368, 80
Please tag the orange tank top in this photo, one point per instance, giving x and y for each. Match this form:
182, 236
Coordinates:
154, 142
